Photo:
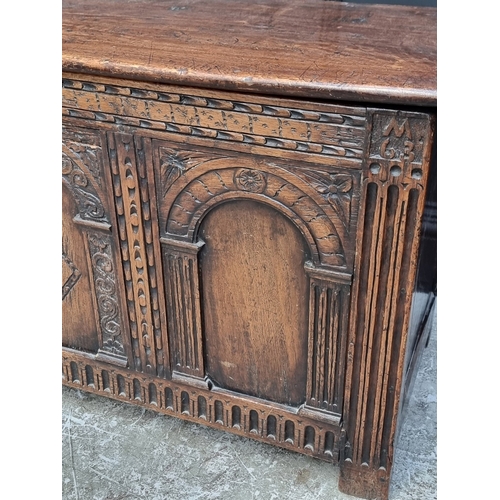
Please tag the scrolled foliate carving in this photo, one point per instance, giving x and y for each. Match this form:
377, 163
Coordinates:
89, 204
85, 146
337, 188
81, 171
105, 289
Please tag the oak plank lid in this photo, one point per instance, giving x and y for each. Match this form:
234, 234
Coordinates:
308, 48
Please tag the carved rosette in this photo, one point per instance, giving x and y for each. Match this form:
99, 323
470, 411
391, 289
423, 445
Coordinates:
250, 180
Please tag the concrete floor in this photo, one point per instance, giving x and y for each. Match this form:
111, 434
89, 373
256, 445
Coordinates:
116, 451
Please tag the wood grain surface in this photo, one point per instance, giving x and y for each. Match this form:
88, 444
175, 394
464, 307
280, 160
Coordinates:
254, 291
244, 187
311, 48
80, 331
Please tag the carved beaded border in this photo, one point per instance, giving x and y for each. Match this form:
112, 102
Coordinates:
333, 134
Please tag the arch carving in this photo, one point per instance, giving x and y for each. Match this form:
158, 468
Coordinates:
322, 203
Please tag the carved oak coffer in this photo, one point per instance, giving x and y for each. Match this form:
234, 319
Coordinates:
242, 260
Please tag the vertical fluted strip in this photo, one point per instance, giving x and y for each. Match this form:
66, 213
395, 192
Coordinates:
327, 340
183, 303
387, 243
357, 347
387, 423
398, 150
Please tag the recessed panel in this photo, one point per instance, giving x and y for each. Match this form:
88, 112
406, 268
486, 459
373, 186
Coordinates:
255, 296
78, 317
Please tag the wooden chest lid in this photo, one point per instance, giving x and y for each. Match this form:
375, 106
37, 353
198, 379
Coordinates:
303, 48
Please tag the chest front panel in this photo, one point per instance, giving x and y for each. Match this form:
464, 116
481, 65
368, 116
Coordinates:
224, 256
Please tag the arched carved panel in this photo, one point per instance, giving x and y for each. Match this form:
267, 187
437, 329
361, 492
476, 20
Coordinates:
319, 206
322, 203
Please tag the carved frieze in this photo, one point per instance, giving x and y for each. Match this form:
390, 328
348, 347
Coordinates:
332, 131
257, 419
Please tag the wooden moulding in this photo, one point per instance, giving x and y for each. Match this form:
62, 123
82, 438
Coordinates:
272, 423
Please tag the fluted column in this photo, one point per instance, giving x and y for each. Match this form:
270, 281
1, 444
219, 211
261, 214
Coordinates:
180, 262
